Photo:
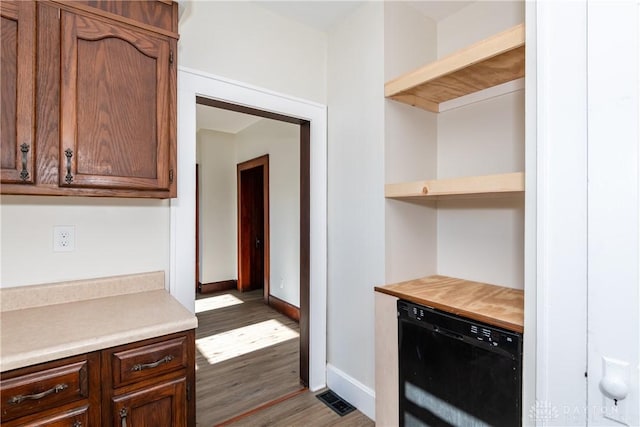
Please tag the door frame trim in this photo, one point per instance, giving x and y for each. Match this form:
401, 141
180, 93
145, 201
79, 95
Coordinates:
192, 83
262, 161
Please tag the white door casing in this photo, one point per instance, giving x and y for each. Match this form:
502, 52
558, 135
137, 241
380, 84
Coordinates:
192, 83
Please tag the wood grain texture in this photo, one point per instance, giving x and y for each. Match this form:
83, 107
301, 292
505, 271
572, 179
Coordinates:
495, 305
47, 103
46, 161
236, 385
160, 405
223, 285
283, 307
153, 13
154, 17
485, 64
253, 225
305, 410
17, 85
114, 109
79, 401
305, 248
485, 185
163, 389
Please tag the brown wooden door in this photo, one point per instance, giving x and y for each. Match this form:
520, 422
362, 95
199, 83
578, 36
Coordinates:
161, 405
17, 81
253, 225
252, 229
115, 106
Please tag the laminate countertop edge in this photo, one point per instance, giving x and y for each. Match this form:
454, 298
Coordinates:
46, 333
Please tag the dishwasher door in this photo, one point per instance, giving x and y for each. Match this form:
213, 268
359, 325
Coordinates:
457, 372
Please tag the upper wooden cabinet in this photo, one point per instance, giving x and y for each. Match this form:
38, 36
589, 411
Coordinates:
115, 112
105, 100
17, 78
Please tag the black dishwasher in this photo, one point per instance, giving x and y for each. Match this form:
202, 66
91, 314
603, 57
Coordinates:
457, 372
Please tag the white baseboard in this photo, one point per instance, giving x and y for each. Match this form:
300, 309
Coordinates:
356, 393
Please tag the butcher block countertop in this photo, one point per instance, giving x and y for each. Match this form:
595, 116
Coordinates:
495, 305
48, 322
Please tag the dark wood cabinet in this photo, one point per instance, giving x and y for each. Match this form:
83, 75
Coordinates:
114, 110
17, 82
58, 393
147, 383
150, 383
160, 405
103, 100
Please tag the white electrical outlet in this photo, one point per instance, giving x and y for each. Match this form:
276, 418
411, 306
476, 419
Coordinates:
64, 238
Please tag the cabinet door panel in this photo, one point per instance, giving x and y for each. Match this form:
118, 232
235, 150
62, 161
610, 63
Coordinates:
17, 83
114, 106
162, 405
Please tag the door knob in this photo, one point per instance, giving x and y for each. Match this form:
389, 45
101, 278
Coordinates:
614, 387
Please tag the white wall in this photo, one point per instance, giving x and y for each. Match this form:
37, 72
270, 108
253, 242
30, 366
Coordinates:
356, 197
242, 41
216, 155
112, 237
282, 142
410, 147
481, 240
477, 21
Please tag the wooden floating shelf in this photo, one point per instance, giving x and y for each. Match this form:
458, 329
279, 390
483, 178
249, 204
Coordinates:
491, 62
479, 186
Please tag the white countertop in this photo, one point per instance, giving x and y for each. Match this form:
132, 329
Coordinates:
48, 332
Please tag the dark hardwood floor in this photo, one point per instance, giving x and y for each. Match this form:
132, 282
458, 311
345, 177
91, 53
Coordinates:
233, 384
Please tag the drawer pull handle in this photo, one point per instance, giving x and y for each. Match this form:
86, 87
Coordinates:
55, 389
24, 173
68, 154
123, 417
143, 366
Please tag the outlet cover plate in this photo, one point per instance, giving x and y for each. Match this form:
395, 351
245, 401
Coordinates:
64, 238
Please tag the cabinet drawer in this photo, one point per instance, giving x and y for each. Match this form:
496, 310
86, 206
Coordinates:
78, 417
45, 387
148, 360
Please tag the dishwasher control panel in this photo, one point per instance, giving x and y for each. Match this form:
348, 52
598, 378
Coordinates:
460, 327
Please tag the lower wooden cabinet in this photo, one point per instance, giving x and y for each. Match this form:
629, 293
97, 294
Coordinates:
146, 383
161, 405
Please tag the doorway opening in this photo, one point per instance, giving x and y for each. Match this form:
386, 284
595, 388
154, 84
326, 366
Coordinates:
255, 277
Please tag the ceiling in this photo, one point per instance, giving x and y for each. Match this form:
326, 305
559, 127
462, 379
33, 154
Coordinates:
223, 120
321, 15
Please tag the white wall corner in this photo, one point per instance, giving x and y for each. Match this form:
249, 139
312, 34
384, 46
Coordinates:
353, 391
